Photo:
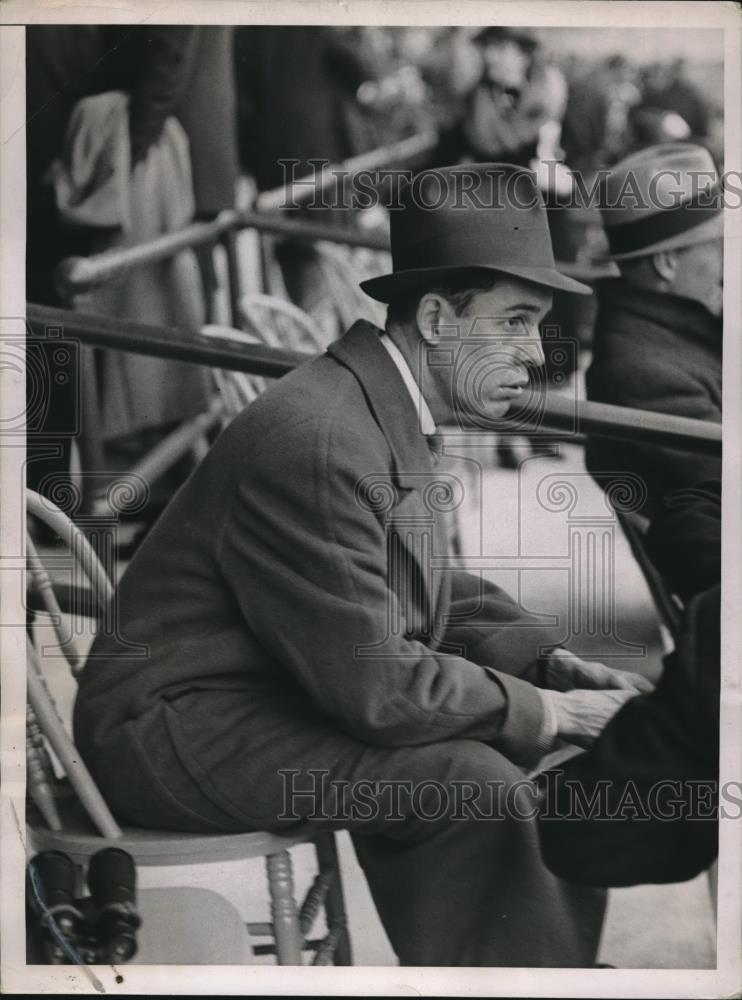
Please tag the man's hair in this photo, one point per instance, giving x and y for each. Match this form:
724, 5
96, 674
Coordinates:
458, 291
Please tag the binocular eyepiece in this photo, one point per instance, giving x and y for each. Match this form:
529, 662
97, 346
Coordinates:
50, 898
112, 881
98, 929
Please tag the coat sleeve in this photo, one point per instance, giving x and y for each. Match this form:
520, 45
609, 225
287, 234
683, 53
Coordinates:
684, 539
669, 468
491, 629
307, 563
640, 805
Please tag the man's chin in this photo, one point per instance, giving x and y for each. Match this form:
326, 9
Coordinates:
491, 412
499, 408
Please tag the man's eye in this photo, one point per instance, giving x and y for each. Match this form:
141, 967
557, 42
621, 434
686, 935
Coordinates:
514, 324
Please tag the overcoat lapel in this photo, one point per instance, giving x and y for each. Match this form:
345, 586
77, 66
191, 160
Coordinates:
413, 526
362, 352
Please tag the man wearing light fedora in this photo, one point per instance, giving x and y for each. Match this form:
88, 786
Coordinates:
658, 334
312, 661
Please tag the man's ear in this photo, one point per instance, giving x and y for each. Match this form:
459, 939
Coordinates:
431, 313
665, 264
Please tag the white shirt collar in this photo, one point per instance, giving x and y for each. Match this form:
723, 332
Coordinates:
427, 424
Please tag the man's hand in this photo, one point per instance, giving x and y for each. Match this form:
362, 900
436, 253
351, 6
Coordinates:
564, 672
581, 716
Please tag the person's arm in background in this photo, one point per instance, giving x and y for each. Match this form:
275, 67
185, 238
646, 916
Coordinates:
684, 539
640, 805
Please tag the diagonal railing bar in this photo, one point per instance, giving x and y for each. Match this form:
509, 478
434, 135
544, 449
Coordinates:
75, 275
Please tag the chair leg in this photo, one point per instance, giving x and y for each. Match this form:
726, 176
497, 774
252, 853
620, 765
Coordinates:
327, 859
283, 909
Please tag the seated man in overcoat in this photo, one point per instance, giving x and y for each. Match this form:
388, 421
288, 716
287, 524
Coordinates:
293, 648
658, 332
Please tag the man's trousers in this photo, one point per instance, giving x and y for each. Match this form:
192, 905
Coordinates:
445, 832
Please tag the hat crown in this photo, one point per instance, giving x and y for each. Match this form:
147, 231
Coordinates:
656, 179
472, 217
475, 215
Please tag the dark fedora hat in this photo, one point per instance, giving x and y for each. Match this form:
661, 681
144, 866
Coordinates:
473, 217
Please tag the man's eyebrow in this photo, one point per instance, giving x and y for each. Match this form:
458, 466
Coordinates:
524, 307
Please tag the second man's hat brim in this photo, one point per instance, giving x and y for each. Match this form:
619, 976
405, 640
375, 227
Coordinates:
706, 232
387, 287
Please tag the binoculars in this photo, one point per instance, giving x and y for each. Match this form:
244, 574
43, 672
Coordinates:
65, 930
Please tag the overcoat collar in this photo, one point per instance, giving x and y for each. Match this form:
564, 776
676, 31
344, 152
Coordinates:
361, 351
685, 317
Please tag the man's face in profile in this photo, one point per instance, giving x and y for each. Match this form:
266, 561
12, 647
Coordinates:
700, 274
493, 342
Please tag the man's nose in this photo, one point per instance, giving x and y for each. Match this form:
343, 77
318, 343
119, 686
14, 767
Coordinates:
531, 350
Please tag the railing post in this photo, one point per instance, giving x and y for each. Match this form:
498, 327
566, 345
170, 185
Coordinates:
229, 241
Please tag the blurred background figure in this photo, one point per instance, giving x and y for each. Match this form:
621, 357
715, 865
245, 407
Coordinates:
297, 87
111, 165
62, 65
671, 107
298, 101
449, 69
596, 130
207, 110
513, 110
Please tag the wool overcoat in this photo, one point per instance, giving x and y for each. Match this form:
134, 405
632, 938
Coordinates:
658, 352
300, 579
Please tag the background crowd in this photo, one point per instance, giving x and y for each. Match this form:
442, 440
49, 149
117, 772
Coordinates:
205, 115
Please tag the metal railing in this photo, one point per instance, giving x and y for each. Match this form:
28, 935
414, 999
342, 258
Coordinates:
407, 151
76, 275
556, 414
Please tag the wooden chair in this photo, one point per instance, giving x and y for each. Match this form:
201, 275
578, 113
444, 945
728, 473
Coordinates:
343, 270
71, 815
277, 322
264, 319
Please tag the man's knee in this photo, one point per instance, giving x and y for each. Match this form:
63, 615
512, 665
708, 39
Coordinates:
483, 784
459, 780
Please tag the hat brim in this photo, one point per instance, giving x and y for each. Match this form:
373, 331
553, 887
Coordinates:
387, 287
707, 231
